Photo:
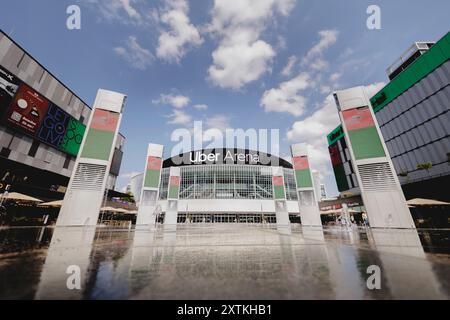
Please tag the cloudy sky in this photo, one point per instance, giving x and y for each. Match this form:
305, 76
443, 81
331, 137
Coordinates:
263, 64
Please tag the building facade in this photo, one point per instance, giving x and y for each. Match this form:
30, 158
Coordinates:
225, 190
413, 113
42, 123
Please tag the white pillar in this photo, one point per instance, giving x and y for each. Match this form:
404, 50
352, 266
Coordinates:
380, 189
84, 195
172, 197
279, 195
307, 202
150, 186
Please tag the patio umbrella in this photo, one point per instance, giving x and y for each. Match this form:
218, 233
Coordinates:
56, 204
19, 197
426, 202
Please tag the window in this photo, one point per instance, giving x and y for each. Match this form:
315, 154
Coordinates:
34, 148
67, 162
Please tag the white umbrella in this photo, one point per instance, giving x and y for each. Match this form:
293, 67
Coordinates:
19, 197
426, 202
57, 203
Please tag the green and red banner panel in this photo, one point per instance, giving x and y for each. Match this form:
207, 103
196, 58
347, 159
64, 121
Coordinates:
153, 172
362, 133
278, 187
174, 187
302, 172
100, 136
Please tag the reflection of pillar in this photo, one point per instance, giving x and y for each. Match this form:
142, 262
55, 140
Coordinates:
309, 208
150, 185
408, 273
380, 188
70, 247
83, 199
172, 197
279, 194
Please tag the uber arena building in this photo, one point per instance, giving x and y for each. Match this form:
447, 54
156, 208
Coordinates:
224, 186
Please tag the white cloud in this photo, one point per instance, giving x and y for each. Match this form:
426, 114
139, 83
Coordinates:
242, 57
327, 38
129, 175
134, 54
287, 70
219, 121
123, 11
200, 106
287, 98
314, 129
179, 117
176, 101
181, 34
318, 64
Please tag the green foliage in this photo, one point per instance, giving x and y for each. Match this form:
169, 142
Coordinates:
425, 166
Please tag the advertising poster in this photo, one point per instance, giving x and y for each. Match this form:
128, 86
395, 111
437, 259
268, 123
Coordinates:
27, 110
9, 85
73, 137
152, 173
100, 136
54, 126
302, 172
362, 132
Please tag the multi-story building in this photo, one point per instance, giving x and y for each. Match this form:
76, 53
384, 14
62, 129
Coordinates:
413, 113
42, 123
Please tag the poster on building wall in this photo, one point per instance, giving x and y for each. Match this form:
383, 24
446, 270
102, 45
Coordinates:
54, 126
73, 137
27, 110
9, 85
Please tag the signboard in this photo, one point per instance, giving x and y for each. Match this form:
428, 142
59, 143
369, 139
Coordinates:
302, 172
338, 167
278, 187
363, 134
100, 136
153, 171
54, 126
9, 85
27, 110
174, 187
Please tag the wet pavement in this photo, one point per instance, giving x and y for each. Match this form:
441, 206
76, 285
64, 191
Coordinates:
223, 261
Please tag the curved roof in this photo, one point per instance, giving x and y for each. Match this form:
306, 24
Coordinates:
226, 156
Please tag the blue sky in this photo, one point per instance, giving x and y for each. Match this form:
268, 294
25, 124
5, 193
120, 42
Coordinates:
263, 64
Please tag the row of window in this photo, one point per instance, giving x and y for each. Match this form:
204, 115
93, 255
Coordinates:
228, 182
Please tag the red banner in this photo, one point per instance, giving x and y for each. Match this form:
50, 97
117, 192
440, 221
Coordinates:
27, 109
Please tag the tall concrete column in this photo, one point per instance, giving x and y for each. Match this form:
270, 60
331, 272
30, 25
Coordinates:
380, 189
308, 205
150, 186
172, 197
84, 195
279, 195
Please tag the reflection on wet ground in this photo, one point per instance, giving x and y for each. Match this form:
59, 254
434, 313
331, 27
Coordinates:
223, 261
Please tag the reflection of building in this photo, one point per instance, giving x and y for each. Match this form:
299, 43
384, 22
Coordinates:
225, 190
413, 113
42, 123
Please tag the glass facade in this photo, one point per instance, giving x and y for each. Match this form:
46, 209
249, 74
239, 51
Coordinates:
228, 182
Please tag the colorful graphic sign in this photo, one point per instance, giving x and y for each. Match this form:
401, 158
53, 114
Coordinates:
278, 187
27, 110
302, 172
73, 137
363, 134
100, 136
174, 187
153, 172
338, 167
9, 85
54, 126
